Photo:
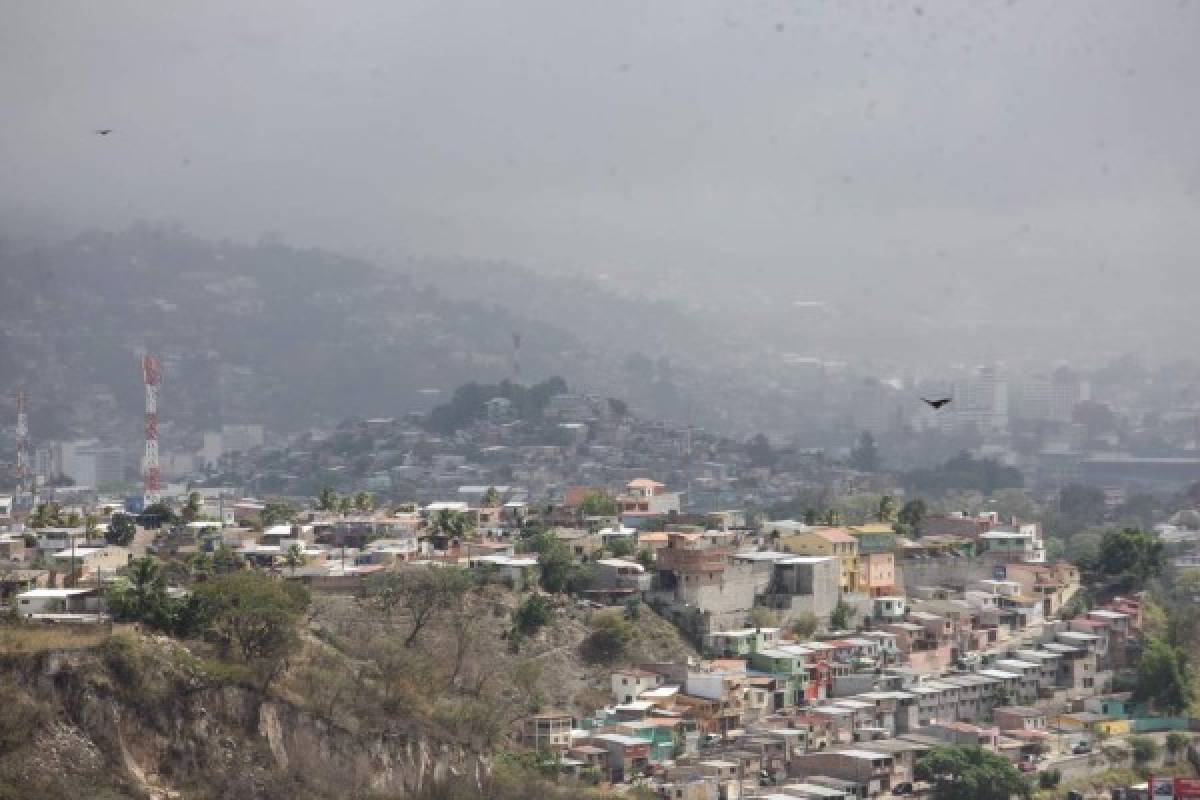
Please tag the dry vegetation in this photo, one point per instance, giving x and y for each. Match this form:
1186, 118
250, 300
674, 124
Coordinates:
466, 676
464, 681
18, 639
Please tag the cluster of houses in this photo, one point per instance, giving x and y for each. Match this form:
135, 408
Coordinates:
879, 646
846, 714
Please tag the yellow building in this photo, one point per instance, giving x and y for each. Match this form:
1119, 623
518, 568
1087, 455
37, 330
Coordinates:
827, 542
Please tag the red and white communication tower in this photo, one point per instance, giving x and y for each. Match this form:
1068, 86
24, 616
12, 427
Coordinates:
22, 435
151, 474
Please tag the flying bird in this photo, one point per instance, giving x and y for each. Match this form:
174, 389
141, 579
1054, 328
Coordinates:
936, 404
104, 131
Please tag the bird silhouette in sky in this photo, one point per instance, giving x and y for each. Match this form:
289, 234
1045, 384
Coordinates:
936, 404
104, 131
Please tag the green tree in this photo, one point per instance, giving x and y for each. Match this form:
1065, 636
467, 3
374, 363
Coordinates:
1049, 779
453, 524
911, 515
610, 635
645, 557
556, 565
276, 513
1083, 549
254, 617
363, 502
158, 514
864, 456
1144, 751
805, 625
191, 509
762, 618
1177, 742
531, 615
46, 515
1162, 677
621, 546
839, 619
832, 517
1131, 555
597, 504
328, 500
970, 773
121, 530
491, 498
294, 557
141, 594
422, 593
345, 505
226, 560
887, 508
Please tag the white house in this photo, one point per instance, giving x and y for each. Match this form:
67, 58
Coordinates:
82, 605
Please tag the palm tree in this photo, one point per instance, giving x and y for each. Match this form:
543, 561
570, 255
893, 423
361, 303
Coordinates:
294, 557
147, 583
832, 517
364, 502
345, 505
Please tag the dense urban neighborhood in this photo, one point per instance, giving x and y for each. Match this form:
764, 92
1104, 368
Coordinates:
620, 400
847, 650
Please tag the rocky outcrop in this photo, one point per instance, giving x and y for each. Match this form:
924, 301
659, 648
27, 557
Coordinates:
169, 735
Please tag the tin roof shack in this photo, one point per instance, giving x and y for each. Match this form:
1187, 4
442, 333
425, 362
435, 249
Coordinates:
62, 605
870, 771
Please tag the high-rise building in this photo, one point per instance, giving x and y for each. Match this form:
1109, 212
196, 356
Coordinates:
94, 465
1052, 397
980, 399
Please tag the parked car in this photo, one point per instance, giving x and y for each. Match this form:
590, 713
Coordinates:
901, 789
1082, 748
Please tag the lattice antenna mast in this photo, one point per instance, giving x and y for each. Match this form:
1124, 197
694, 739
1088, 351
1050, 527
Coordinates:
151, 472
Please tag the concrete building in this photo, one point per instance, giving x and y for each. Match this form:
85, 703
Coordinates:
870, 771
94, 465
834, 542
629, 684
549, 731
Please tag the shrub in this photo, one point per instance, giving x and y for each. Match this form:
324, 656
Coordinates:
531, 615
609, 637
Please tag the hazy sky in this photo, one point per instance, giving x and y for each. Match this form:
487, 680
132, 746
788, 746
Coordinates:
992, 140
